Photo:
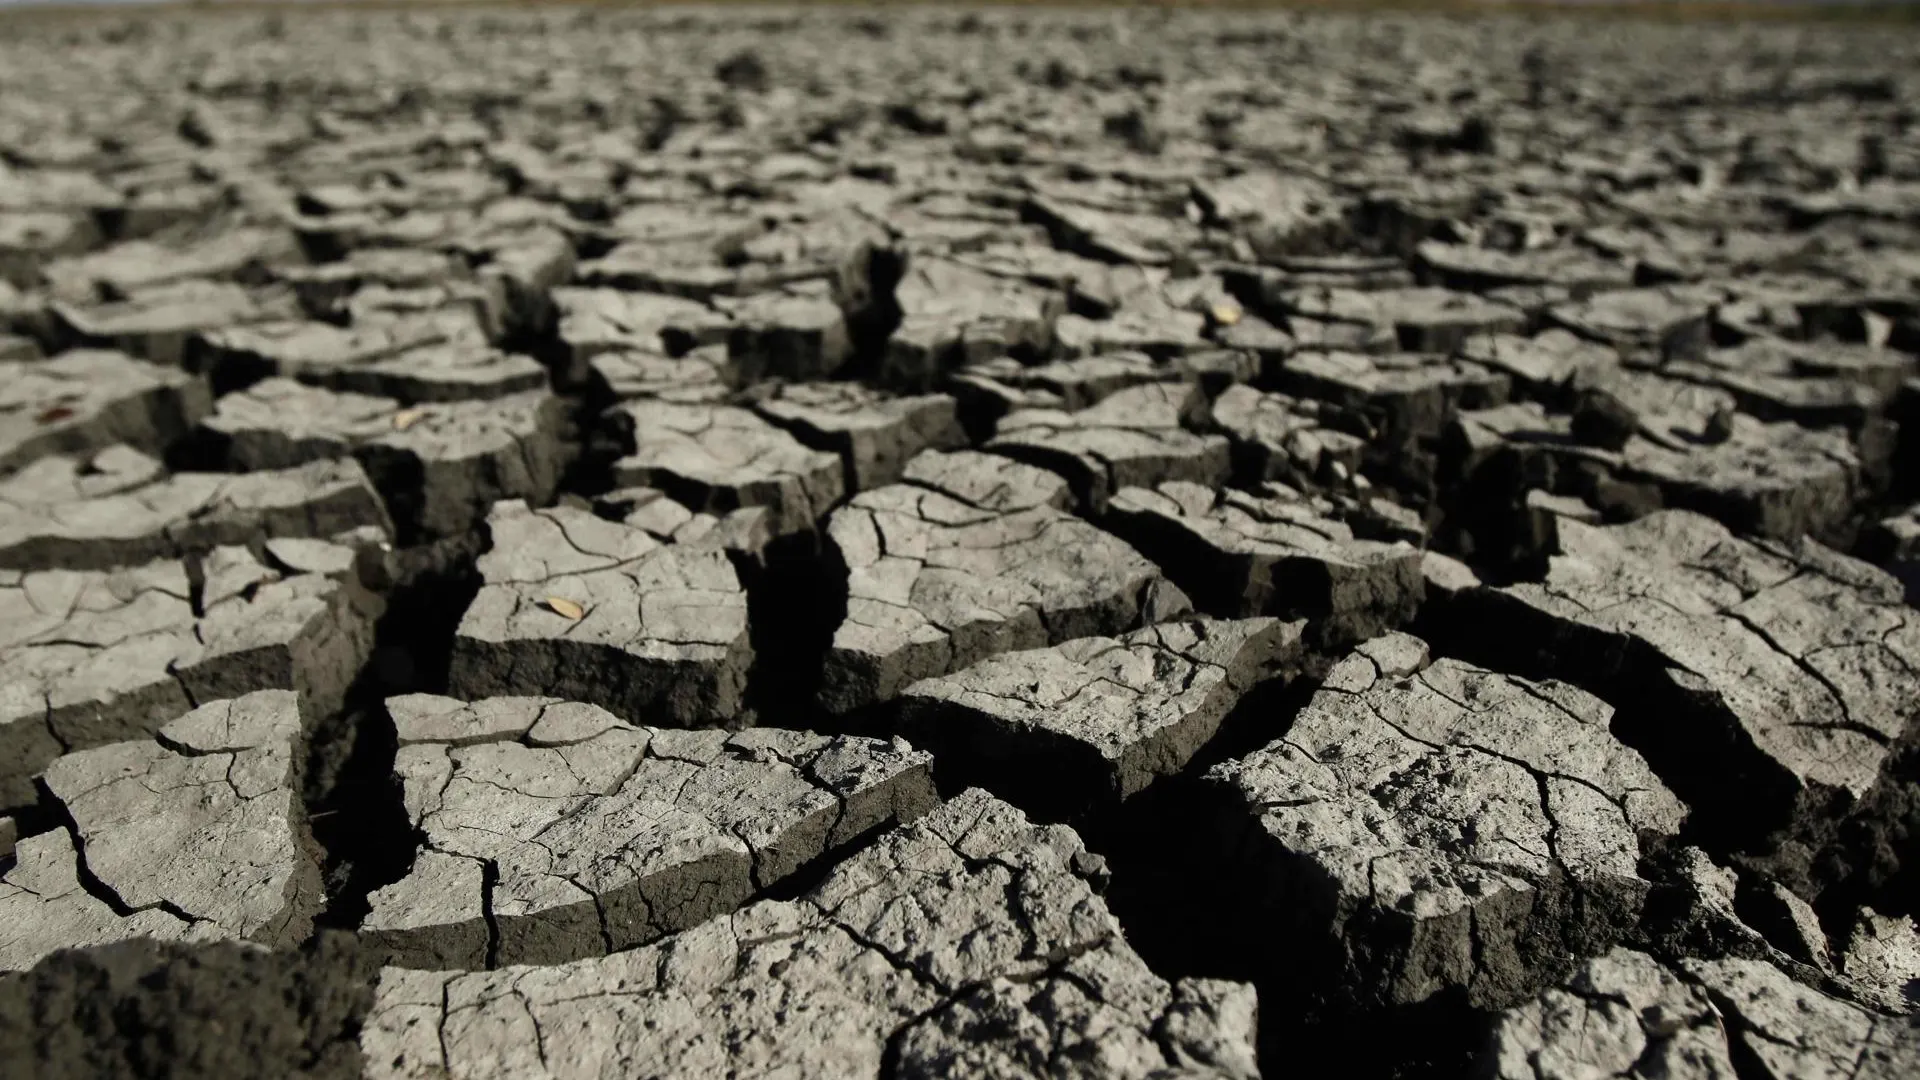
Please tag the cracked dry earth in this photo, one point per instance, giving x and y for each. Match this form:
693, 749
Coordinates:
687, 543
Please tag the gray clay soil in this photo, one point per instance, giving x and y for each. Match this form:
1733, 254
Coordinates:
675, 542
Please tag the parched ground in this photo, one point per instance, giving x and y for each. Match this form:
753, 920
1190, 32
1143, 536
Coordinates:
592, 543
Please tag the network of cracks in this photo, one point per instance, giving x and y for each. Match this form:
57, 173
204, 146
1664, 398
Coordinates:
688, 543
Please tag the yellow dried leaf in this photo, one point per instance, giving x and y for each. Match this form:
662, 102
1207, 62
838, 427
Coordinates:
566, 608
1226, 314
406, 418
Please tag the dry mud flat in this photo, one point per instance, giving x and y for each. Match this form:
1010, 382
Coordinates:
691, 543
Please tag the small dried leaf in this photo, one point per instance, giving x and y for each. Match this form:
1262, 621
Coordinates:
56, 413
1226, 314
406, 418
566, 608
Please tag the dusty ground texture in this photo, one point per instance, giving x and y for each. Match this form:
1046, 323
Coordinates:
694, 542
